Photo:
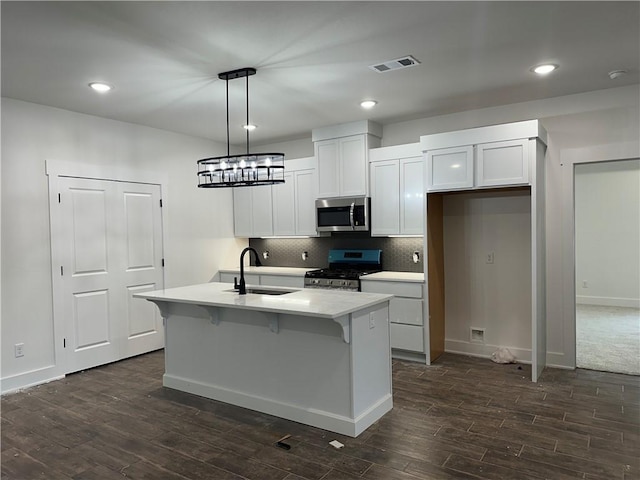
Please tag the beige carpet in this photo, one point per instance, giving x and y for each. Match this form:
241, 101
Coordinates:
608, 338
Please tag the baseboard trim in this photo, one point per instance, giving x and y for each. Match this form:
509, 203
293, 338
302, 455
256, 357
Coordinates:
343, 425
30, 379
608, 301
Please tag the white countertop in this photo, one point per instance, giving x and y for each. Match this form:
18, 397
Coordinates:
306, 302
395, 277
288, 271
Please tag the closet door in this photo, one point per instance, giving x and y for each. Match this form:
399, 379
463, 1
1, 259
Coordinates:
111, 247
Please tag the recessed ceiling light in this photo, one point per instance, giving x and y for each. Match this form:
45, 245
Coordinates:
101, 87
368, 104
544, 69
617, 74
250, 127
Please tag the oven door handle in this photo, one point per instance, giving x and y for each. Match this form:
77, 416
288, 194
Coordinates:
351, 210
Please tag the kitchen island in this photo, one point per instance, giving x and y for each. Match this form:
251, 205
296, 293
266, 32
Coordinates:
317, 357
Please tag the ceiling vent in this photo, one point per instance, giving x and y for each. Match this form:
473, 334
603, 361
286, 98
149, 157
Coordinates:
389, 65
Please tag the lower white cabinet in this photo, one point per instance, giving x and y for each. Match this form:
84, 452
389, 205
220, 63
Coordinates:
405, 312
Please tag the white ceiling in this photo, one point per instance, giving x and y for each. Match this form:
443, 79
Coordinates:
312, 59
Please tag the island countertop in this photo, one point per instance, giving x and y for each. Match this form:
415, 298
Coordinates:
308, 302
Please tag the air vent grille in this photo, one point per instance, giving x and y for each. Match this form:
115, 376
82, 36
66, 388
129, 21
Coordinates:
387, 66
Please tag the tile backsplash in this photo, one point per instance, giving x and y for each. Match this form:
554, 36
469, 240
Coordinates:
397, 253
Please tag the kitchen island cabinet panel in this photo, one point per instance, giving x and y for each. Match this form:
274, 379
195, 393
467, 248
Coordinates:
318, 357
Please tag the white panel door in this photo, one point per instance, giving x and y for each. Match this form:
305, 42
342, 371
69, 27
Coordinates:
111, 242
92, 309
385, 196
139, 205
412, 196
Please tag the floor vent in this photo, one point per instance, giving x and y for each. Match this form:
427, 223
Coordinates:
477, 335
387, 66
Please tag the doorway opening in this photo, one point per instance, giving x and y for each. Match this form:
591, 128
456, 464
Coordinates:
607, 265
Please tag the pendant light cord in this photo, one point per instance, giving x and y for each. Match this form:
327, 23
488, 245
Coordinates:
247, 125
227, 83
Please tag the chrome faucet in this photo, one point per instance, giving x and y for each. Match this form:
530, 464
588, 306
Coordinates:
242, 287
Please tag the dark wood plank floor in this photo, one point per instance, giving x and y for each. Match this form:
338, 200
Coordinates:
462, 418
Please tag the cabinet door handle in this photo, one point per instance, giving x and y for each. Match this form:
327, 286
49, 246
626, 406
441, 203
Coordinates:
351, 209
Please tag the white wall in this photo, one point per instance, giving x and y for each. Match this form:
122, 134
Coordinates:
607, 222
602, 125
494, 296
198, 223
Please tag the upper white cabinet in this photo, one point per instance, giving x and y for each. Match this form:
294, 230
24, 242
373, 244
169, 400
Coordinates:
397, 190
294, 200
285, 209
487, 157
252, 211
342, 152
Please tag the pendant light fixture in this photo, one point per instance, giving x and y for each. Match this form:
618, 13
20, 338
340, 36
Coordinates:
248, 169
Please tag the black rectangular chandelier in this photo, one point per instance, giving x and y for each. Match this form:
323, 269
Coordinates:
242, 170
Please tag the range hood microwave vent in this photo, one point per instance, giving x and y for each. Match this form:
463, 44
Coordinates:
396, 64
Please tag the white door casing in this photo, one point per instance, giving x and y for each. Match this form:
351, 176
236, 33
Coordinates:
109, 235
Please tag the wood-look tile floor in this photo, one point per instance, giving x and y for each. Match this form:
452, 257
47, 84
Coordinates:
462, 418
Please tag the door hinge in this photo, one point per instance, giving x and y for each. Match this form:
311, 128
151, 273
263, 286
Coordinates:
163, 262
59, 198
64, 343
160, 203
61, 270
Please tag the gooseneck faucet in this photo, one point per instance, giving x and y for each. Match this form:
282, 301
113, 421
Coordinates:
242, 287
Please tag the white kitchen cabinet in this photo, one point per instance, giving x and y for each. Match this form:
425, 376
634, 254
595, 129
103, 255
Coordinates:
294, 201
283, 196
397, 190
450, 168
342, 152
406, 313
412, 196
284, 209
487, 160
306, 188
252, 211
486, 157
502, 163
385, 198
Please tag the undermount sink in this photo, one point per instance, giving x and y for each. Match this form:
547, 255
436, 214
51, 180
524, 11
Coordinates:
265, 291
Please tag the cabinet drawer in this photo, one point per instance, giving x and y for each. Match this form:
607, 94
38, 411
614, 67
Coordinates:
407, 337
406, 311
282, 281
400, 289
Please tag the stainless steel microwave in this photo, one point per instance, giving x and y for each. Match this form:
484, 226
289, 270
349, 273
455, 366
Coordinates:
342, 214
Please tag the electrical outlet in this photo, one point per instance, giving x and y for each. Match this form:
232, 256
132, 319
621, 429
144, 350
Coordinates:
489, 257
19, 349
372, 321
305, 255
476, 335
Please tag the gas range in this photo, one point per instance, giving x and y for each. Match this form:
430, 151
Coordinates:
345, 269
